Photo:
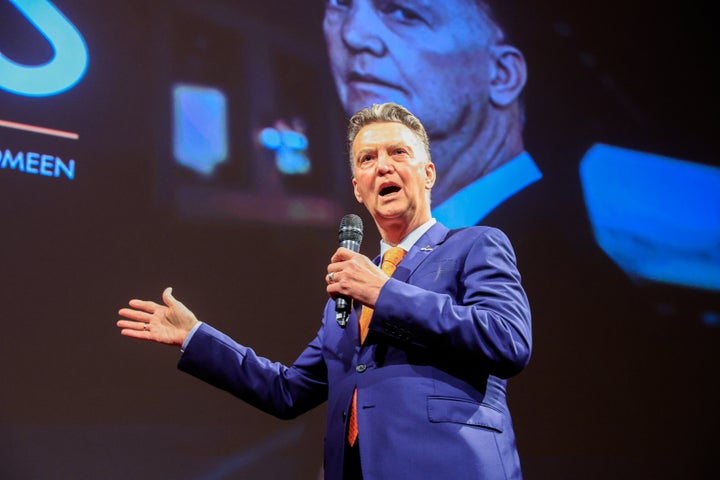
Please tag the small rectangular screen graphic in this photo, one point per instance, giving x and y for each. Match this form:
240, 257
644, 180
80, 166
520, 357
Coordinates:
200, 128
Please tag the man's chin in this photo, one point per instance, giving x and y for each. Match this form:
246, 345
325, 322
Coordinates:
388, 213
364, 95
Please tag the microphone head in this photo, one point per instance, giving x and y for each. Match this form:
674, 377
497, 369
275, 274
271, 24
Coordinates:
351, 229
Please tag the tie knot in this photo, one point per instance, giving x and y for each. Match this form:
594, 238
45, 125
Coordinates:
391, 259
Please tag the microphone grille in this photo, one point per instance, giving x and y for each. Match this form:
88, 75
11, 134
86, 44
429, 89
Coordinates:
351, 228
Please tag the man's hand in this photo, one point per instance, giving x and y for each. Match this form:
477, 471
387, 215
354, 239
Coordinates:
169, 323
355, 276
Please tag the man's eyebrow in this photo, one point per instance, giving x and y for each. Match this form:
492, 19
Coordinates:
403, 145
388, 147
363, 151
427, 4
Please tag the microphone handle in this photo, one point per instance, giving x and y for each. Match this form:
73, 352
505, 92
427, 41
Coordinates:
342, 303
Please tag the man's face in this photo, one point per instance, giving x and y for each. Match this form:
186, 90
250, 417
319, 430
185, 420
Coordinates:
430, 56
392, 173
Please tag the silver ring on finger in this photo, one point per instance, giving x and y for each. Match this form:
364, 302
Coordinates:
331, 277
145, 326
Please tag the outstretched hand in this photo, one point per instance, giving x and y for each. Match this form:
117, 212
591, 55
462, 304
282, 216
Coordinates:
146, 320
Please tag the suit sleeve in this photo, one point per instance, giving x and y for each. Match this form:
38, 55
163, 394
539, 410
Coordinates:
274, 388
478, 309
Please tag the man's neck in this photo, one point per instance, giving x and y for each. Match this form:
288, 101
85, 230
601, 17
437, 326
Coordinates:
393, 231
466, 156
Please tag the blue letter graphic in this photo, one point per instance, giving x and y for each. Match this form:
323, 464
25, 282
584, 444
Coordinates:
63, 71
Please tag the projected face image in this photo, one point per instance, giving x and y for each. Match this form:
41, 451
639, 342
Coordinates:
431, 57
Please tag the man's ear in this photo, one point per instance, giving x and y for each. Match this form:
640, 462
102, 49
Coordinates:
508, 74
356, 192
430, 175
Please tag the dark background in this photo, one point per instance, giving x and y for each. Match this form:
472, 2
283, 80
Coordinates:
621, 385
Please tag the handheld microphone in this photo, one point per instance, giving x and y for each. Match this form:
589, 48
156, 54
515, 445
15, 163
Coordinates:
350, 235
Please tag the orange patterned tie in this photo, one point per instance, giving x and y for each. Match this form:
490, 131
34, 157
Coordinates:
389, 263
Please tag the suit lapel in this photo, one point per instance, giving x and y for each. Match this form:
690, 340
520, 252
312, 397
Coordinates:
420, 251
414, 258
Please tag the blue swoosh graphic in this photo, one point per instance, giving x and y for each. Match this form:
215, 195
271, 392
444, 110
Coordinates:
69, 61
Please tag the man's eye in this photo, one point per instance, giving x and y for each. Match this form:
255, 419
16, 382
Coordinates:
402, 14
338, 3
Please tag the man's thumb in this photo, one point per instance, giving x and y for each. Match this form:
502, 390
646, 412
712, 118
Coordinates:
168, 297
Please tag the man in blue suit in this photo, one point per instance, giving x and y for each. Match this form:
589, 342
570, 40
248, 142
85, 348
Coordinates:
423, 383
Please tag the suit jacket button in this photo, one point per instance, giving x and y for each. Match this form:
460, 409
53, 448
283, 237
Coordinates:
361, 368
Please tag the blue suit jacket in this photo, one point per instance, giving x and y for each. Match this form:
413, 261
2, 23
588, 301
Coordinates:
450, 325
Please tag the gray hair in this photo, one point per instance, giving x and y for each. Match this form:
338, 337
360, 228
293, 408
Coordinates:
383, 113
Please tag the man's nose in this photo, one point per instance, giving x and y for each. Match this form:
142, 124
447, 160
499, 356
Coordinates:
385, 164
361, 29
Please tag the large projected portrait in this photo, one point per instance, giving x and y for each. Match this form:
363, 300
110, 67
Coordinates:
413, 54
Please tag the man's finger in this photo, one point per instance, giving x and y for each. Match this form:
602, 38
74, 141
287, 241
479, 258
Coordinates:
141, 334
133, 325
342, 254
136, 315
144, 305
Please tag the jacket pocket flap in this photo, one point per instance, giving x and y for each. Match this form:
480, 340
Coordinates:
457, 410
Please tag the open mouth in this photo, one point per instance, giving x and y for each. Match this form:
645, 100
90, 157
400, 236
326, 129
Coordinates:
390, 189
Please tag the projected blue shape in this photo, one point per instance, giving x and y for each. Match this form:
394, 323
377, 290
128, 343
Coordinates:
710, 319
60, 73
199, 128
658, 218
290, 148
472, 203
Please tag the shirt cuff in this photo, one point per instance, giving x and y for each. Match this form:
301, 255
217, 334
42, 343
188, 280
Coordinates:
189, 337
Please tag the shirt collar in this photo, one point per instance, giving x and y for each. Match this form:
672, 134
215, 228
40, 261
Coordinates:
410, 239
472, 203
